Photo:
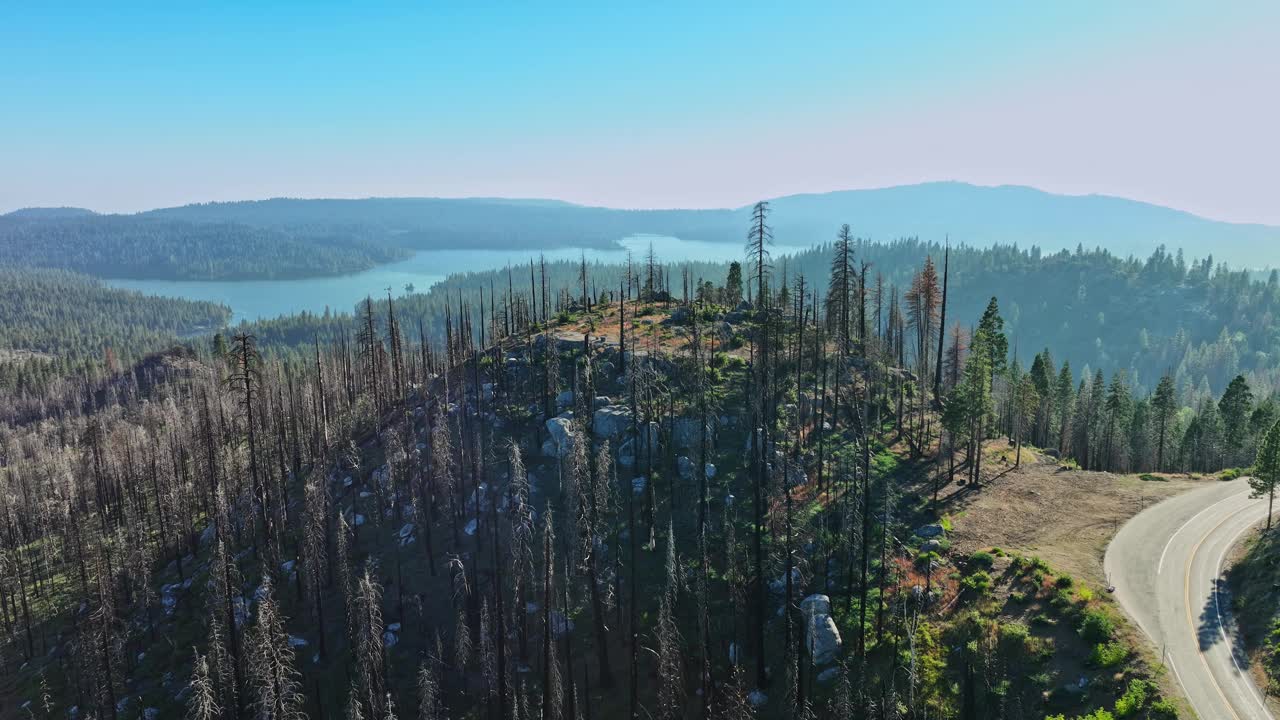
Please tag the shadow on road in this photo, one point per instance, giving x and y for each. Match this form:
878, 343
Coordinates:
1213, 617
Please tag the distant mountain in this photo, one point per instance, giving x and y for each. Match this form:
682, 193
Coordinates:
49, 213
1008, 214
979, 216
351, 234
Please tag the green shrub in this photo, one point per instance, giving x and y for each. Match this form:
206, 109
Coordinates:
1064, 581
1013, 636
1162, 710
1044, 649
1235, 473
1062, 599
1148, 477
982, 560
1134, 698
978, 583
1018, 597
1108, 655
1097, 626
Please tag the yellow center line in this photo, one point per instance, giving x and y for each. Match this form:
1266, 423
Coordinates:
1186, 596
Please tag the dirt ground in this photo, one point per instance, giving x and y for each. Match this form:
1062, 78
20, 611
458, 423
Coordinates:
1065, 516
644, 332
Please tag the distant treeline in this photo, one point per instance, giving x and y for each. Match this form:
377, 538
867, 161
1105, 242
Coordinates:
440, 223
1196, 319
116, 246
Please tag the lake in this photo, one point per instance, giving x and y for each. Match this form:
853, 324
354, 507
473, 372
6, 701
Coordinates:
257, 299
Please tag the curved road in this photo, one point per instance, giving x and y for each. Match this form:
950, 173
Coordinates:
1166, 565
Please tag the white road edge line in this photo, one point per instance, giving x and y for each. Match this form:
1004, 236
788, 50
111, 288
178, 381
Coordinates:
1190, 699
1217, 608
1160, 565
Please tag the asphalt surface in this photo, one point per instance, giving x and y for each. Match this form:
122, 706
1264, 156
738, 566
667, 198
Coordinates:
1166, 565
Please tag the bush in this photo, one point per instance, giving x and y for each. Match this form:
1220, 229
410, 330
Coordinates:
923, 560
1234, 473
1014, 635
979, 583
1062, 599
1064, 581
1097, 626
982, 560
1108, 655
1162, 710
1134, 698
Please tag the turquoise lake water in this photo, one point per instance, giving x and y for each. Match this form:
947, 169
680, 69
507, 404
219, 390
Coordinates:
256, 299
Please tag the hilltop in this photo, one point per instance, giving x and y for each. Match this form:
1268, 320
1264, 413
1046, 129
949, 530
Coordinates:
49, 213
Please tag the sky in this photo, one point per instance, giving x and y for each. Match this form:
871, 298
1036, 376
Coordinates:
126, 106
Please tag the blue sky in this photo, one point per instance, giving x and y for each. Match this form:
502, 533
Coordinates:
637, 105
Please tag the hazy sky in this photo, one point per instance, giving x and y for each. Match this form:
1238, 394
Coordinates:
125, 106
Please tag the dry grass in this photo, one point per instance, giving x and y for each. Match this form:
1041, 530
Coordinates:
1065, 516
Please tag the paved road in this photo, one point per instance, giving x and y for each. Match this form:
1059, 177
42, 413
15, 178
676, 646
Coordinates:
1167, 565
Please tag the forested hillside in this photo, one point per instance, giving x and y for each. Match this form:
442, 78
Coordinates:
117, 246
1133, 320
440, 223
577, 502
53, 322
